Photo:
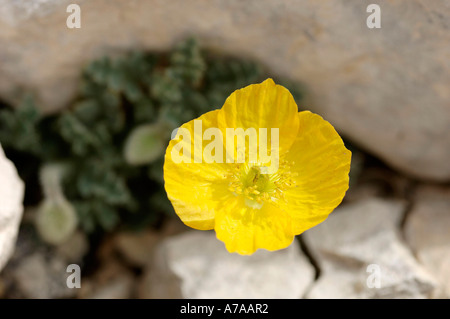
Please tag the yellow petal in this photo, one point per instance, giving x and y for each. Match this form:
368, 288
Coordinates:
194, 188
319, 166
244, 229
265, 105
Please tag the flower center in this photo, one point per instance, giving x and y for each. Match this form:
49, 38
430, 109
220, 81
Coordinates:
247, 180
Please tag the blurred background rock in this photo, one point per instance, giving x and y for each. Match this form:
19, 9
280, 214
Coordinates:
387, 91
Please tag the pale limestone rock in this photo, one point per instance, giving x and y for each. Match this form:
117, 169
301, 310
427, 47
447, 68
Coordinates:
427, 231
197, 265
14, 12
386, 88
362, 234
11, 208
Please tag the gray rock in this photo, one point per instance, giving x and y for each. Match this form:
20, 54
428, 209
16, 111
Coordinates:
11, 208
196, 265
42, 277
427, 232
386, 88
36, 270
356, 243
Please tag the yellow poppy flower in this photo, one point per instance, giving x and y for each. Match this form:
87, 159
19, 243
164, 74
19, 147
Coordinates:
250, 208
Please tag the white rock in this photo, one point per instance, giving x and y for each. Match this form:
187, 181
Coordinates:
357, 236
427, 230
391, 83
118, 288
11, 208
196, 265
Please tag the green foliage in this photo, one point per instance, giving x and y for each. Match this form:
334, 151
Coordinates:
115, 97
18, 129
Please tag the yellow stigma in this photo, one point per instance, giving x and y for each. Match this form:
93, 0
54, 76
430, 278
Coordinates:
247, 180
